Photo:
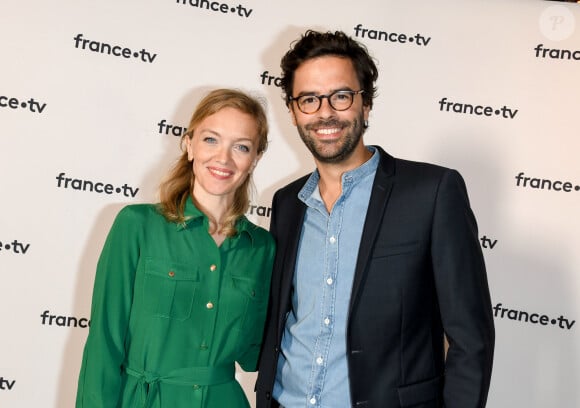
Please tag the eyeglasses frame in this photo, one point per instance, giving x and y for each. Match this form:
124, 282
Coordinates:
327, 96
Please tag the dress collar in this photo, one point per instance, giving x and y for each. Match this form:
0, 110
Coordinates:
194, 216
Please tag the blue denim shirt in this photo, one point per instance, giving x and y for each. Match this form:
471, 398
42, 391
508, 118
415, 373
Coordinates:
312, 368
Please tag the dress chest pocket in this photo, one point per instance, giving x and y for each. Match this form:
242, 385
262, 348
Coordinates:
251, 309
169, 288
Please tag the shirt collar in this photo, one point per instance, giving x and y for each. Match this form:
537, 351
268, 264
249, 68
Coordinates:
194, 216
349, 178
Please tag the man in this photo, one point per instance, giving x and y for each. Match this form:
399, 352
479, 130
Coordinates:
378, 259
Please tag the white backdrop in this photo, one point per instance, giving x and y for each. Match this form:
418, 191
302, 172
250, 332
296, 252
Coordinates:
67, 108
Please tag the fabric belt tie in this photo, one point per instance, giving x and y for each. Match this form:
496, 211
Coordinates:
189, 376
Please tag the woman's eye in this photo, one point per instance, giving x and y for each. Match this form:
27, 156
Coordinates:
209, 139
243, 148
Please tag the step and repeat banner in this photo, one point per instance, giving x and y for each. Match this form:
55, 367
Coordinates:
94, 96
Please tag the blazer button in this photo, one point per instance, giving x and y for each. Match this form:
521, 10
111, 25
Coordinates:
268, 395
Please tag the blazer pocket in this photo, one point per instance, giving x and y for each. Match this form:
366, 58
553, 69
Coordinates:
421, 392
169, 288
382, 250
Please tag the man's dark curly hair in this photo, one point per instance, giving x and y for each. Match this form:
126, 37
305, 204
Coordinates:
314, 44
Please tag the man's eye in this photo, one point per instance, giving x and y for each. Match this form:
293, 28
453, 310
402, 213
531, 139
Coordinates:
307, 100
341, 96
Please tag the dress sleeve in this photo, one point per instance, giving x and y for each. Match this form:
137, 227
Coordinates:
100, 376
463, 294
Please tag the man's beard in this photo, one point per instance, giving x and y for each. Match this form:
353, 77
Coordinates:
345, 146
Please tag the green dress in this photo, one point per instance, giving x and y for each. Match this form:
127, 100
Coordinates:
172, 312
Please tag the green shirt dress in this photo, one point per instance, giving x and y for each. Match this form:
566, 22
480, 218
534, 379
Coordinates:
171, 313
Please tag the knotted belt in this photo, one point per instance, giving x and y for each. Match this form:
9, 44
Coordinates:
189, 376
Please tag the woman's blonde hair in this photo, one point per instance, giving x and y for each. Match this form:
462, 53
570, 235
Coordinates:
177, 186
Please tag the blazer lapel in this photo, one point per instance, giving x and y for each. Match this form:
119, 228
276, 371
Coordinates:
292, 229
380, 194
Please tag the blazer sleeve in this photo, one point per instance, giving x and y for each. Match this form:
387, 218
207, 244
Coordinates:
100, 379
463, 294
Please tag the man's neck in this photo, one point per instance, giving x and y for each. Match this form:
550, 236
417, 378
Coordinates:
330, 183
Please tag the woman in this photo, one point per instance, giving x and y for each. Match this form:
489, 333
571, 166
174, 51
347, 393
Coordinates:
182, 286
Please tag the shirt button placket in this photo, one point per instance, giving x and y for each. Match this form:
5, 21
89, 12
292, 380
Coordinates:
197, 395
212, 268
211, 281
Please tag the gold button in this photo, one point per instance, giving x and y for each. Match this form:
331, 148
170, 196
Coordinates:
209, 305
212, 268
171, 274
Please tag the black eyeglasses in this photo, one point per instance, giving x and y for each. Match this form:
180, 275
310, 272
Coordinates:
338, 100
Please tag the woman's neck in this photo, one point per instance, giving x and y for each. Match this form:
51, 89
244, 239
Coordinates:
215, 208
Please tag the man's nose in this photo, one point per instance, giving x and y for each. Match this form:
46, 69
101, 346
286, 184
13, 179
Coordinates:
325, 110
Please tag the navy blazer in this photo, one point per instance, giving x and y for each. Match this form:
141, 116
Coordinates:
420, 277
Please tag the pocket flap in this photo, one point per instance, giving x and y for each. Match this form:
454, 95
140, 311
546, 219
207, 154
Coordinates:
172, 270
382, 250
250, 287
423, 391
